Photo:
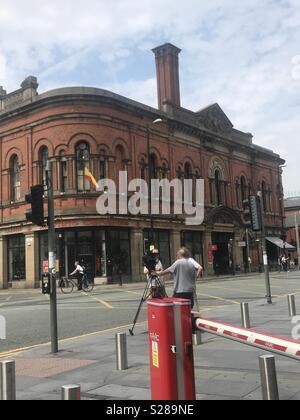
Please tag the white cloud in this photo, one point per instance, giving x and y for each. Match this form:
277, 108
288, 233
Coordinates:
237, 53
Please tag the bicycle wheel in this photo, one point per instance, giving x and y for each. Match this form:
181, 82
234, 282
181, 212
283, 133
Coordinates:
66, 286
87, 285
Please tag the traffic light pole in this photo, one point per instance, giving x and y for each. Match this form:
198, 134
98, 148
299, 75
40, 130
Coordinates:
264, 251
52, 260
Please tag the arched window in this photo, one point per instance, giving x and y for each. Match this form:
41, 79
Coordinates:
153, 167
188, 173
164, 171
63, 169
237, 193
179, 172
143, 169
43, 158
15, 183
244, 189
120, 159
82, 162
102, 165
264, 195
218, 187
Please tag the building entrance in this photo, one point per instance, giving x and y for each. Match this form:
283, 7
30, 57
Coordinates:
223, 252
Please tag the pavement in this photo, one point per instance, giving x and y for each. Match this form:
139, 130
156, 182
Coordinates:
225, 370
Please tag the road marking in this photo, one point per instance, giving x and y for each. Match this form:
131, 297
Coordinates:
219, 298
65, 340
129, 291
103, 302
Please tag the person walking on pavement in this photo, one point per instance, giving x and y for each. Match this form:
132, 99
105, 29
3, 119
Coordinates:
284, 262
184, 274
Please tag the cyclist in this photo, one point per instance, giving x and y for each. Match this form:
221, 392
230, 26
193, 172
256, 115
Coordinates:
79, 274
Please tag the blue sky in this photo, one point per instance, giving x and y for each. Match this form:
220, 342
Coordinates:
244, 55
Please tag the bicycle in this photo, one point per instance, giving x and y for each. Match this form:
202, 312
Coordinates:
67, 285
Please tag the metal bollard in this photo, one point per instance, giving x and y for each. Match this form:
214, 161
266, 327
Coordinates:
245, 315
121, 351
292, 306
8, 380
197, 338
71, 393
268, 378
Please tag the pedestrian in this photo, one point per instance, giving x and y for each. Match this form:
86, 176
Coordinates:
79, 274
157, 290
184, 274
284, 262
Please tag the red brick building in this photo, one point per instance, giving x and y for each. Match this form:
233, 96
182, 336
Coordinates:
111, 132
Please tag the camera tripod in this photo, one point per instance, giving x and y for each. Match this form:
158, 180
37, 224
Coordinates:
154, 289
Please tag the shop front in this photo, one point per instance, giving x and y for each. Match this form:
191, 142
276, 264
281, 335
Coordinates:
105, 253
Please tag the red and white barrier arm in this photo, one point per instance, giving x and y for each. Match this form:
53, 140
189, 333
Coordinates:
283, 346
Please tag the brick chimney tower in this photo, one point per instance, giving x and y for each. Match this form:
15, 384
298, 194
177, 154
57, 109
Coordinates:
167, 67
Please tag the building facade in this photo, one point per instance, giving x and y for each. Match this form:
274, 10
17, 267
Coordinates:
85, 127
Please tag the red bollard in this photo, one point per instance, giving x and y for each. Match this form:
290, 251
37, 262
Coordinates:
162, 350
184, 350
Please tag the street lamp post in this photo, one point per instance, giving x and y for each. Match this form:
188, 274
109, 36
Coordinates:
157, 121
297, 238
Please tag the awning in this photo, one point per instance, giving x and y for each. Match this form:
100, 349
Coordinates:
280, 244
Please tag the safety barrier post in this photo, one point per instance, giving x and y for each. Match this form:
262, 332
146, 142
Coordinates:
292, 306
268, 378
71, 393
8, 380
245, 315
121, 351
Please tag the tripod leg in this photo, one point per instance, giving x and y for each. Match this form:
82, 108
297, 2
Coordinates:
144, 298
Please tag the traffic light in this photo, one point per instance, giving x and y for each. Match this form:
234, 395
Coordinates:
35, 197
252, 213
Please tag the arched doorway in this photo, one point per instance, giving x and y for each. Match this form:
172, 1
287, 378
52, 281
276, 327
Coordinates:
225, 225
